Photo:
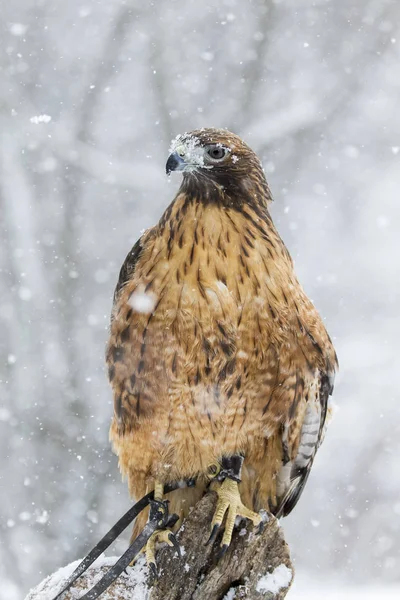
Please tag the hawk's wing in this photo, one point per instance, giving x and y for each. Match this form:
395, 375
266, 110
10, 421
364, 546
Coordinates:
120, 357
128, 267
294, 473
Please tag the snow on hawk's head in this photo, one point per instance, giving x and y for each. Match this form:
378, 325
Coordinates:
218, 166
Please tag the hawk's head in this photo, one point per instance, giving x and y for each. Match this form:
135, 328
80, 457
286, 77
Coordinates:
217, 164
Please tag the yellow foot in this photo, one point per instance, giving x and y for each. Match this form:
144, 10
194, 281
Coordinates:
229, 500
162, 535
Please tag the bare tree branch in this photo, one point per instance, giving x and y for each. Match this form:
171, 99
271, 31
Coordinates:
106, 68
253, 71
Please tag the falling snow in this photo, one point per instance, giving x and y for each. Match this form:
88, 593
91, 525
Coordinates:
142, 301
40, 119
84, 140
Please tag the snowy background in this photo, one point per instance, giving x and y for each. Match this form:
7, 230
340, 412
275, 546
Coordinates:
91, 93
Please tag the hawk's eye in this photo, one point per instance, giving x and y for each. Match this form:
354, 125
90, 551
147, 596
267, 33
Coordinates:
217, 152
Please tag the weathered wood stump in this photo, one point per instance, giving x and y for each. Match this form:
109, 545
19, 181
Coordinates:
254, 567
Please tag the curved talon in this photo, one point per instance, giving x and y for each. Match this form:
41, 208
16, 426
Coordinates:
229, 502
162, 535
175, 544
213, 535
260, 528
153, 569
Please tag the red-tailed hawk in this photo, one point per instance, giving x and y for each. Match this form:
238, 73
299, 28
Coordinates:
220, 365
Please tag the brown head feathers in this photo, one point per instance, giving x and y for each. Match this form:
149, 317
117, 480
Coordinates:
219, 167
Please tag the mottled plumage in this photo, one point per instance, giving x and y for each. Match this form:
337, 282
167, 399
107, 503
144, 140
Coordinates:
215, 349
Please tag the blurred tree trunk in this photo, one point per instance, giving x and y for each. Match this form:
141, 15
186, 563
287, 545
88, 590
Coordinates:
73, 192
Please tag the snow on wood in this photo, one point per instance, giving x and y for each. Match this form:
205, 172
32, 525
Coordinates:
276, 581
134, 580
198, 573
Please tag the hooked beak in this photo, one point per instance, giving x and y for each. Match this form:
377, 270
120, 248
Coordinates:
175, 163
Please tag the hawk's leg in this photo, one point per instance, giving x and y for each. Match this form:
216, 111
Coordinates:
159, 511
229, 501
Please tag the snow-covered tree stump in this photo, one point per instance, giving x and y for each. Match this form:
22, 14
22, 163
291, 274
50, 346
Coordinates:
254, 567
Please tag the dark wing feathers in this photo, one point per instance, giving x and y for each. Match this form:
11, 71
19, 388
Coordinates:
128, 267
299, 474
